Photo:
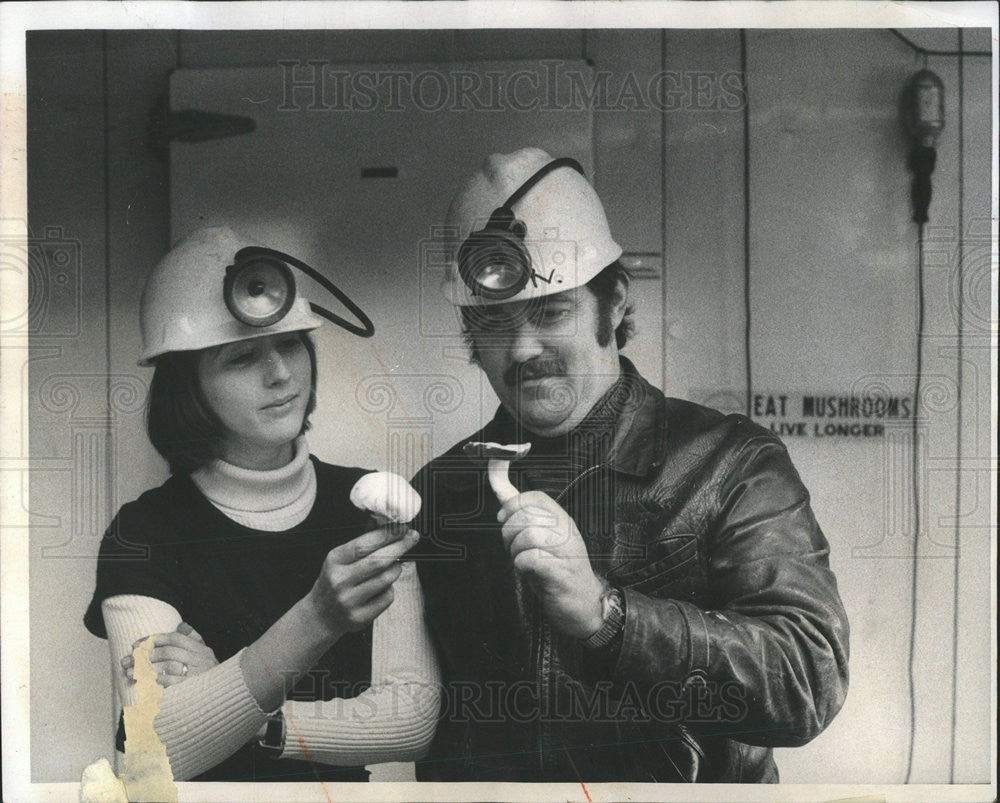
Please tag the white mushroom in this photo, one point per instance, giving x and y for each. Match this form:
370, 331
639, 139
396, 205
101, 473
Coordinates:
387, 496
500, 457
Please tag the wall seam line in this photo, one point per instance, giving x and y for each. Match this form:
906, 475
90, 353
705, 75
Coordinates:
109, 486
664, 322
746, 220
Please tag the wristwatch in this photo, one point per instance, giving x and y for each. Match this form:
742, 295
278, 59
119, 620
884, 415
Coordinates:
273, 742
613, 610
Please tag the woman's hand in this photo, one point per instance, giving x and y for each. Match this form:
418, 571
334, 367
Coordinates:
176, 656
355, 585
353, 588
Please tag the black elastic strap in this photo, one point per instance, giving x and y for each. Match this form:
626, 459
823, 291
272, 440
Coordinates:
555, 164
367, 328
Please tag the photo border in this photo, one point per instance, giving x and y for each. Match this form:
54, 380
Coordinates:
17, 18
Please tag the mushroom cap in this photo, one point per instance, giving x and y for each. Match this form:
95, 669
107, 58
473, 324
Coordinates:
497, 451
386, 494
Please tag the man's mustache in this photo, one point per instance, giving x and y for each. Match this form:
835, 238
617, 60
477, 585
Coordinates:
533, 369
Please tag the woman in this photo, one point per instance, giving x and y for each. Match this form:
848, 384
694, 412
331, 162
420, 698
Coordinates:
251, 561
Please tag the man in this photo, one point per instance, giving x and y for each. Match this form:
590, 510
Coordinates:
653, 600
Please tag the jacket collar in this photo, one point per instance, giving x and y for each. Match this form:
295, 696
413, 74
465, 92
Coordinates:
641, 425
632, 413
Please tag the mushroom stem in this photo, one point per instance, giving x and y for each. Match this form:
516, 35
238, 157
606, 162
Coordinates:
500, 480
499, 457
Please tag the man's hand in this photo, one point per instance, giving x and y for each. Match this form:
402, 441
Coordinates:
549, 553
176, 656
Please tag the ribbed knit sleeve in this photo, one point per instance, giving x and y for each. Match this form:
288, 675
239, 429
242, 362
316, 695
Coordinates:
394, 719
128, 618
203, 720
209, 716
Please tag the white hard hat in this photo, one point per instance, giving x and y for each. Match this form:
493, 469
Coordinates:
558, 225
183, 307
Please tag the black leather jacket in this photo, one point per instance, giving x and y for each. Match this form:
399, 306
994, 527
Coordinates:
735, 639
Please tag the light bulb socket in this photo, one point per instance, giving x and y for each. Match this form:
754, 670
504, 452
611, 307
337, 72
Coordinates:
923, 108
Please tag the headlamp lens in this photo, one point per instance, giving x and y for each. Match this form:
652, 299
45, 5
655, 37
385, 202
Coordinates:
494, 264
498, 278
259, 292
497, 274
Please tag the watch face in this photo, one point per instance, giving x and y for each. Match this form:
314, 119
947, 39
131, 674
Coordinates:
614, 604
614, 619
274, 734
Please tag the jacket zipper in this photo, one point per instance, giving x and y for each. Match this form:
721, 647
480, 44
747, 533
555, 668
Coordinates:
543, 676
545, 648
576, 479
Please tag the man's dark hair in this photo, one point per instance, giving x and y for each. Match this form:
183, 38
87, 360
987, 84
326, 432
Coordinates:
604, 286
180, 423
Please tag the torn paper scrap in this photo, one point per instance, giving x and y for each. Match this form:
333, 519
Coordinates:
99, 784
147, 776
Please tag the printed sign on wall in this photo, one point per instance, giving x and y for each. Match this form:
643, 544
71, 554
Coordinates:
803, 414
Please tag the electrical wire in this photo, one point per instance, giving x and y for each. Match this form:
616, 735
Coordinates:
915, 478
960, 321
746, 219
926, 52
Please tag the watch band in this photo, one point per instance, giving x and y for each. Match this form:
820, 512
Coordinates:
273, 742
613, 608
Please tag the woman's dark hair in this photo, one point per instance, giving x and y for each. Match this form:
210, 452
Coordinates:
604, 287
181, 425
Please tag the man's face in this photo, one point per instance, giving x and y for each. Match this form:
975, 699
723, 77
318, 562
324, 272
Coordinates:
543, 358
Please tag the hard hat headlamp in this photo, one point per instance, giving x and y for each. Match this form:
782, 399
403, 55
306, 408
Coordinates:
493, 261
259, 290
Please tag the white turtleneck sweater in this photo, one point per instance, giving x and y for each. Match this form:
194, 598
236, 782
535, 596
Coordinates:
210, 716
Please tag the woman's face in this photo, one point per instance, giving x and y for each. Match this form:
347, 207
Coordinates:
258, 389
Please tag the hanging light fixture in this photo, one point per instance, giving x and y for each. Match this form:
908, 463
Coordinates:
923, 115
